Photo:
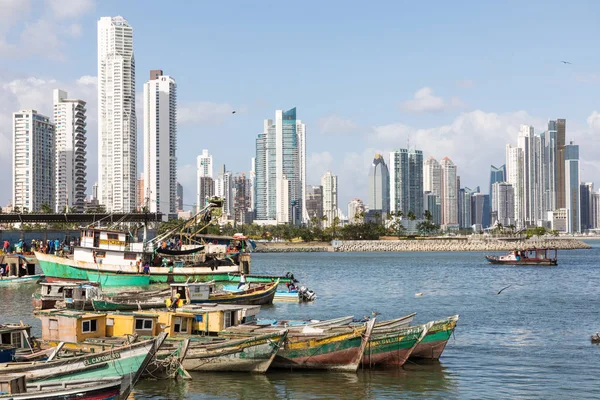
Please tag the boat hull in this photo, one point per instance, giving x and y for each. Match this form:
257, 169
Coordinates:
335, 352
540, 262
72, 391
392, 349
9, 281
434, 343
106, 279
251, 355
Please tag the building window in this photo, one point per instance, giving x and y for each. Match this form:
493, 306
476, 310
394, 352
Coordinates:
89, 326
113, 236
129, 256
143, 324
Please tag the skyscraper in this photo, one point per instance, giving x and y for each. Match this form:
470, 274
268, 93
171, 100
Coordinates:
242, 212
497, 174
70, 154
449, 194
356, 211
179, 197
224, 190
480, 209
433, 205
406, 181
550, 167
514, 176
205, 185
586, 191
330, 198
281, 170
432, 176
379, 186
464, 207
160, 143
33, 161
572, 200
117, 134
596, 210
561, 133
503, 207
314, 203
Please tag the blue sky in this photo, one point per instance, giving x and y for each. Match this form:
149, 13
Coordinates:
457, 79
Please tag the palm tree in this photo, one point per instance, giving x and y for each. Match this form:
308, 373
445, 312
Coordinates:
428, 216
411, 215
46, 209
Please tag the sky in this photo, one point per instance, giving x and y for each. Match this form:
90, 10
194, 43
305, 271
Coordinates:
453, 79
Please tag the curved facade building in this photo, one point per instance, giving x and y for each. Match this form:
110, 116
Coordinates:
379, 185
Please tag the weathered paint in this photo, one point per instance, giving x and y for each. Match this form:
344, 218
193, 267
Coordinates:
9, 281
434, 343
106, 279
248, 355
67, 326
391, 349
335, 352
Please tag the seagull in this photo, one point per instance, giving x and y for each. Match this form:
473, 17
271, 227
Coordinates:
500, 291
233, 112
565, 62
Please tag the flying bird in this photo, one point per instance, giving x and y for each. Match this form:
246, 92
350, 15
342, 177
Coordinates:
500, 291
565, 62
233, 112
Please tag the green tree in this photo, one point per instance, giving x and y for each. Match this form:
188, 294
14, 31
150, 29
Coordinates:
46, 209
411, 215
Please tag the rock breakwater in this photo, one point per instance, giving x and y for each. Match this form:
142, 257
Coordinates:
426, 245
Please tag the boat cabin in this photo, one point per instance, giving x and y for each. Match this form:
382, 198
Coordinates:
71, 326
191, 291
51, 292
108, 247
78, 296
16, 336
142, 324
210, 319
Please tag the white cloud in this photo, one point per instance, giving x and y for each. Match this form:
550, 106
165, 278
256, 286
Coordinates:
317, 164
424, 101
203, 112
334, 124
67, 9
186, 176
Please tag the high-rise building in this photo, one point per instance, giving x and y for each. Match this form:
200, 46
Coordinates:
433, 205
596, 210
117, 132
550, 167
330, 197
480, 209
533, 147
514, 176
160, 143
406, 181
224, 190
205, 185
252, 181
356, 211
497, 174
242, 213
586, 190
572, 199
449, 194
503, 207
179, 197
281, 170
561, 135
140, 197
379, 186
33, 150
464, 207
432, 176
314, 203
70, 153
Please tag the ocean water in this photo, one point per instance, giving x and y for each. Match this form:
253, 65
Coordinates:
530, 341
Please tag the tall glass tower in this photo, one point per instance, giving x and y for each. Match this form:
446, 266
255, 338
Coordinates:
379, 186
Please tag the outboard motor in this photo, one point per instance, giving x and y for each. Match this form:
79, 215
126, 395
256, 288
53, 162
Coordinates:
306, 294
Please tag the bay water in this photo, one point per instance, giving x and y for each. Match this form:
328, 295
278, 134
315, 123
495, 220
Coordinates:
530, 341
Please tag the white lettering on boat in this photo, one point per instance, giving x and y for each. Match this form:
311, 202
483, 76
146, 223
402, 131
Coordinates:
101, 359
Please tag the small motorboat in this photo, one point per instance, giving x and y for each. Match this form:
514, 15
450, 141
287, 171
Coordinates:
533, 256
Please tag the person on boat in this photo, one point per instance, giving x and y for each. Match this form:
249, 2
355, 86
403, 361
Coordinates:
174, 302
1, 272
147, 268
242, 280
6, 247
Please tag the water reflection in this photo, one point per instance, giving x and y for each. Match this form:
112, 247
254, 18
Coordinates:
425, 379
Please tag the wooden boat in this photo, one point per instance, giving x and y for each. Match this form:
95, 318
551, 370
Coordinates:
314, 348
251, 354
434, 343
533, 256
18, 280
75, 295
14, 341
126, 363
401, 322
90, 389
393, 347
311, 323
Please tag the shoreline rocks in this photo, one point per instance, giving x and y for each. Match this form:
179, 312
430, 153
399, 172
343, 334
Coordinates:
435, 245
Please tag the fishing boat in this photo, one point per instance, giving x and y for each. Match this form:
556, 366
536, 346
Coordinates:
314, 348
17, 280
125, 363
434, 342
250, 354
202, 293
314, 323
86, 389
75, 295
533, 256
393, 347
14, 340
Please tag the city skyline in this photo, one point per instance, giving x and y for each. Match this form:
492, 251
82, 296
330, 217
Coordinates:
430, 109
